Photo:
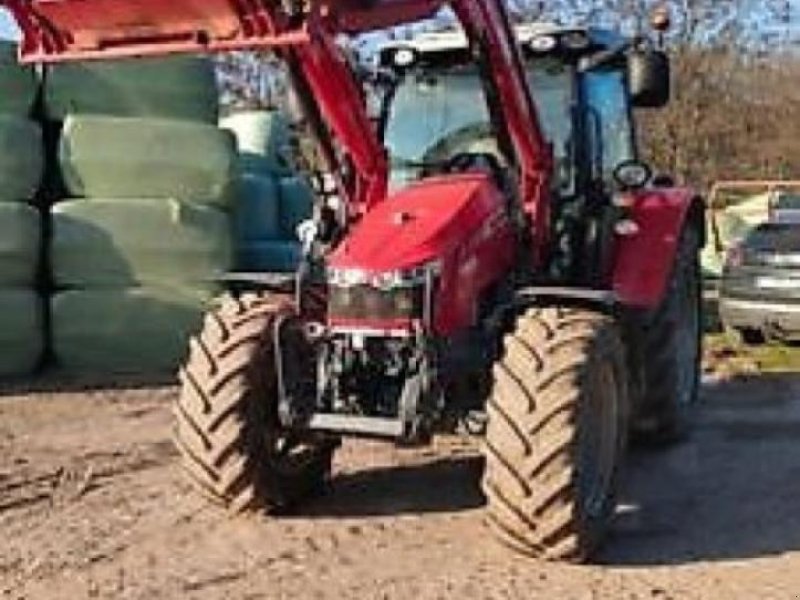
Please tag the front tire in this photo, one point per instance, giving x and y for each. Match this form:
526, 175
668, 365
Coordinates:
556, 433
226, 417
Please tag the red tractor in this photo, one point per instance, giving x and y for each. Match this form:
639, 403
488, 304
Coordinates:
493, 253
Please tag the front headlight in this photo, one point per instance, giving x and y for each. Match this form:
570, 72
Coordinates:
543, 43
391, 295
347, 277
407, 278
387, 280
368, 303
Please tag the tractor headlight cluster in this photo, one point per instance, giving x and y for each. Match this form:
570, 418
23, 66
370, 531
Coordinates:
369, 303
575, 41
404, 58
571, 41
543, 43
355, 294
400, 58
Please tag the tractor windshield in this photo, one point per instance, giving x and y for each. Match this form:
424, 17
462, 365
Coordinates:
437, 114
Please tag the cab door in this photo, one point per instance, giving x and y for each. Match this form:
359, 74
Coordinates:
610, 140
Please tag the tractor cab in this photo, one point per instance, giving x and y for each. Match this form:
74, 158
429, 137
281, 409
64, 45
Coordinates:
585, 84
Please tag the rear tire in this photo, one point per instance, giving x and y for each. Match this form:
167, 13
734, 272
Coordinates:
673, 350
556, 433
226, 417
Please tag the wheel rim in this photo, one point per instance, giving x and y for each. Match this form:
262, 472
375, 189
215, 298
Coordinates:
599, 441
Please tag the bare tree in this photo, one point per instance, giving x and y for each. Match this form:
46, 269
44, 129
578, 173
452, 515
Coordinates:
251, 80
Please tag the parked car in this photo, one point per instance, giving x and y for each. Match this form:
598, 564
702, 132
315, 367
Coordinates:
786, 209
760, 292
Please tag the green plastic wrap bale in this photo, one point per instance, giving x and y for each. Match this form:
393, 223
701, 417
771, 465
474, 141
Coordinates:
181, 87
256, 212
21, 332
21, 158
122, 243
263, 140
110, 157
268, 257
18, 85
297, 204
20, 244
136, 331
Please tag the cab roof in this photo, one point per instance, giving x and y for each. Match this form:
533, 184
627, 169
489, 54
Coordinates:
454, 40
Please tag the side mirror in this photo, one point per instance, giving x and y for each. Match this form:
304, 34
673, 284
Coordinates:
632, 175
649, 76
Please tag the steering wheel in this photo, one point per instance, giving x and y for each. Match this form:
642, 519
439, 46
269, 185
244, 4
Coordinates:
457, 142
472, 161
486, 162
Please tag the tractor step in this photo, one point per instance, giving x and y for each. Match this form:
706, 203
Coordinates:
375, 427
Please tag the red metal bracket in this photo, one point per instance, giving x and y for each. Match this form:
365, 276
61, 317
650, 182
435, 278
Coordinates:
305, 31
64, 30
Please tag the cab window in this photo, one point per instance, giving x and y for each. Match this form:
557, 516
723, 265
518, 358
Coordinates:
608, 120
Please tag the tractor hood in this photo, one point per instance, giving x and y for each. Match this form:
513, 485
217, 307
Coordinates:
425, 222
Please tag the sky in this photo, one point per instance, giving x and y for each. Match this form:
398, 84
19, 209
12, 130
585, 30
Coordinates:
8, 28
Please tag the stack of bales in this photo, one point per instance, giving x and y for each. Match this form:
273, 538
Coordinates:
21, 159
272, 201
140, 244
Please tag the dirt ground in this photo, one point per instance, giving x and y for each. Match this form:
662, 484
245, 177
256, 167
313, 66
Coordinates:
93, 505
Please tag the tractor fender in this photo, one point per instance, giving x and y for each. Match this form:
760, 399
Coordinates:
644, 260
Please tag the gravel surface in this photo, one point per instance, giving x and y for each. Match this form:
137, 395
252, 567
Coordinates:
93, 505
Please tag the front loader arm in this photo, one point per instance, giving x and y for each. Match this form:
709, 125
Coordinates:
488, 25
304, 31
339, 99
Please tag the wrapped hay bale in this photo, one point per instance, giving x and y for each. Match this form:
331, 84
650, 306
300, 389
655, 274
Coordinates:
266, 232
18, 84
263, 140
21, 158
120, 243
125, 331
257, 209
268, 256
21, 332
108, 157
180, 87
20, 244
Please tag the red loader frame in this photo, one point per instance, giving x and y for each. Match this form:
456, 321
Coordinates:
68, 30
